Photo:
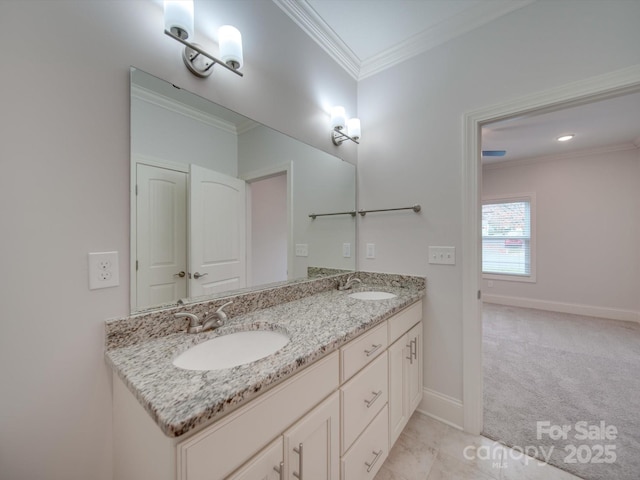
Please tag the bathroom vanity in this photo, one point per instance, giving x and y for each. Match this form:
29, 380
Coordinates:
329, 404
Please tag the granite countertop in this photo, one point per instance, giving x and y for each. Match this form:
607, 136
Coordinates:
180, 400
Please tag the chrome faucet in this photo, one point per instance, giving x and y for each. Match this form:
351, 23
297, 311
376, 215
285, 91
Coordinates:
216, 319
210, 322
349, 283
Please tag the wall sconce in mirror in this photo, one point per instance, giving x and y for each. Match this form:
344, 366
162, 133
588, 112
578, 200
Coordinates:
343, 129
178, 24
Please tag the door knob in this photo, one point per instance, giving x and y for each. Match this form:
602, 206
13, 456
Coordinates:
197, 275
180, 274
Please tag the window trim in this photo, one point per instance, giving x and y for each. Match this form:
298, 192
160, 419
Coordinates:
524, 197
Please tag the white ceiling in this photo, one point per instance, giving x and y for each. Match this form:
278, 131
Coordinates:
611, 123
368, 36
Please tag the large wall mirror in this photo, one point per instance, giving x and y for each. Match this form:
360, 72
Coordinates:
221, 203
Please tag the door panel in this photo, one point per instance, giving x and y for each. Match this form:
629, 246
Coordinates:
217, 232
161, 235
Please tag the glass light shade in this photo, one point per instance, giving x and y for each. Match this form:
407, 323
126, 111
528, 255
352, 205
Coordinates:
353, 128
230, 41
178, 17
338, 118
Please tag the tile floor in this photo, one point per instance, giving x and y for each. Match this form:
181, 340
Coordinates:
430, 450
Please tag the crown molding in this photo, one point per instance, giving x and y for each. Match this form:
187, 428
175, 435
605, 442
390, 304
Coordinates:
562, 156
162, 101
456, 26
313, 25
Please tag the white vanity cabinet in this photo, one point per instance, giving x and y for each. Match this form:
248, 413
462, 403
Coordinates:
266, 465
336, 419
312, 446
309, 449
405, 368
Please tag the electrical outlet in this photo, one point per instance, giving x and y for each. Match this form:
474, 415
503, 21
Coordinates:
103, 270
346, 250
302, 250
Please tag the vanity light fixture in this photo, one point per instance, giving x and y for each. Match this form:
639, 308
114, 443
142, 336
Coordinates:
343, 129
178, 24
565, 138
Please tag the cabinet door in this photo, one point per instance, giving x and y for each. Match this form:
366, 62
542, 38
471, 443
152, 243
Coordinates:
312, 450
414, 377
398, 366
266, 465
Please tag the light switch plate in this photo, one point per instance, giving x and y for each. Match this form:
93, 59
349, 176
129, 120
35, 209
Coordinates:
302, 250
103, 270
346, 250
442, 255
371, 250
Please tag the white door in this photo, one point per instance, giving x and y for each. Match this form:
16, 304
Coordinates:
161, 236
217, 232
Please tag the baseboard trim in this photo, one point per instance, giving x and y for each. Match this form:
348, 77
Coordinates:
587, 310
442, 407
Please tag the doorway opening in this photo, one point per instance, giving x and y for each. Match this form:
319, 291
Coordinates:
598, 88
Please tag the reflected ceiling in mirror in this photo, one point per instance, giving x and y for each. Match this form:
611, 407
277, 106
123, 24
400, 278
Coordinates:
221, 203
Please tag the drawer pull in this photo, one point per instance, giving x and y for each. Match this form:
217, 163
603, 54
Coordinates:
298, 450
376, 395
374, 349
280, 470
410, 357
375, 459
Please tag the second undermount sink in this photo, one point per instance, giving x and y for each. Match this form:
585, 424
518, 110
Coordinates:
372, 295
231, 350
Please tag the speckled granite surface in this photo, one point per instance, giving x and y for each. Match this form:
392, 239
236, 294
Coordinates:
318, 323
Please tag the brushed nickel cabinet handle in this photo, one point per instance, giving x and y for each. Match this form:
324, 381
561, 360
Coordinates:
376, 395
298, 474
410, 357
415, 348
280, 470
375, 459
374, 349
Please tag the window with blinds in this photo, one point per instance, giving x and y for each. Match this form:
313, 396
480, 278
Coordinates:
507, 233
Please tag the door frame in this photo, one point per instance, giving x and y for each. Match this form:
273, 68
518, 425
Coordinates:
255, 175
596, 88
137, 159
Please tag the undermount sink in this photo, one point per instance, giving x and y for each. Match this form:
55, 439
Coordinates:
231, 350
372, 295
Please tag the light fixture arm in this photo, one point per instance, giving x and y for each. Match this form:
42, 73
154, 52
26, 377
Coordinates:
338, 136
200, 51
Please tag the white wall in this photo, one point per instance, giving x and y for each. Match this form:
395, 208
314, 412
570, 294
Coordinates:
412, 118
321, 183
587, 231
64, 192
162, 134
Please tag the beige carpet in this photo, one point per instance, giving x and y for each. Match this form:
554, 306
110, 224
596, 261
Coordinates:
563, 369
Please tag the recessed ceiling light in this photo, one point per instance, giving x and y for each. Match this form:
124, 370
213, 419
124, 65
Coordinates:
565, 138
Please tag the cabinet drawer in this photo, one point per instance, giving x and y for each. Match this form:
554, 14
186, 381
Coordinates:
403, 321
362, 398
221, 448
361, 351
369, 452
